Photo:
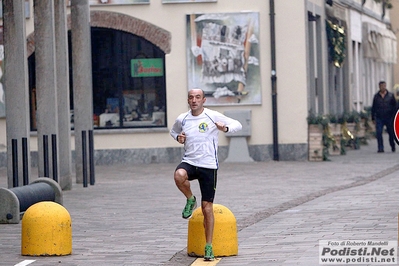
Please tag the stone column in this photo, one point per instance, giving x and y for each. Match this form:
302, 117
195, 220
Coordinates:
46, 86
82, 78
64, 125
16, 83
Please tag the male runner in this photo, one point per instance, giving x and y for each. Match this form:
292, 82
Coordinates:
198, 130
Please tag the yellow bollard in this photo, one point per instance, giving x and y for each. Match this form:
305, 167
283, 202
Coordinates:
46, 230
225, 241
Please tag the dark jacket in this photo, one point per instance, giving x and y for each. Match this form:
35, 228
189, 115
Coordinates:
383, 108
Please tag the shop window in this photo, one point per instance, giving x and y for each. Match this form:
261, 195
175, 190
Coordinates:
129, 88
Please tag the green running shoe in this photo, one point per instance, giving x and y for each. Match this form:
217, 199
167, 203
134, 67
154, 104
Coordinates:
208, 253
190, 206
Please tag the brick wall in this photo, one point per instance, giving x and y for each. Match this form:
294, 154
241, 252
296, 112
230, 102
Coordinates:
118, 21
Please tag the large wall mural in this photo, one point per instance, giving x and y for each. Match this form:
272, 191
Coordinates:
223, 57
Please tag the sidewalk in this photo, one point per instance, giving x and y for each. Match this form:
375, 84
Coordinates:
132, 215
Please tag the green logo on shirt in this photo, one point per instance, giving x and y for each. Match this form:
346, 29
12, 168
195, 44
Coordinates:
203, 127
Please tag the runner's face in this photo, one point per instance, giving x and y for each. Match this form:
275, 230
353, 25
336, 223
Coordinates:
196, 100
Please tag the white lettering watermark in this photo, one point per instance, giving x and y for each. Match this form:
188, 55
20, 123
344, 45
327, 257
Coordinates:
348, 252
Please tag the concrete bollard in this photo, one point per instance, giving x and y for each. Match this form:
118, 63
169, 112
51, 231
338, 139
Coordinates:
15, 201
46, 230
225, 241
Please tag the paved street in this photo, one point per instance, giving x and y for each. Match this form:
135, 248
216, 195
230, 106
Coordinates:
132, 215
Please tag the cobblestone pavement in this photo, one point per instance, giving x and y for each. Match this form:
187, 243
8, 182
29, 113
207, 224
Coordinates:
132, 215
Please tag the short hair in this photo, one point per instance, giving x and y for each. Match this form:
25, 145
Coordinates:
381, 82
202, 91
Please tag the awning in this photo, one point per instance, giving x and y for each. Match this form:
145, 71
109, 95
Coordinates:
379, 43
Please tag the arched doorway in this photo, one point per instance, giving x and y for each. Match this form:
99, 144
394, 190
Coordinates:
128, 63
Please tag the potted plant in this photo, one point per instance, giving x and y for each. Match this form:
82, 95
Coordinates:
334, 134
316, 137
350, 127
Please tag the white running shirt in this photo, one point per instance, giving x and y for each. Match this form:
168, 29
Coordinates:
200, 148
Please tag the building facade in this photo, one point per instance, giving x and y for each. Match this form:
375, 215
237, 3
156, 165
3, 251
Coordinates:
360, 52
395, 28
146, 54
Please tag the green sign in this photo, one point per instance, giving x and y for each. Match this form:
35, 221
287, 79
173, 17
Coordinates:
147, 67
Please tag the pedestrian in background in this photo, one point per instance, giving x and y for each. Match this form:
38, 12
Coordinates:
382, 112
198, 130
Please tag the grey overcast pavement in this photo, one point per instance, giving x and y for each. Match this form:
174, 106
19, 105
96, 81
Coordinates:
132, 215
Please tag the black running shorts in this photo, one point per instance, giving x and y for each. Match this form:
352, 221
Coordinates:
206, 178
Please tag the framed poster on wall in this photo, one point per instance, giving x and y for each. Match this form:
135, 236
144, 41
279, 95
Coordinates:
223, 57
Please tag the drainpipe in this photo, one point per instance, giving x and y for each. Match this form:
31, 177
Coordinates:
274, 81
